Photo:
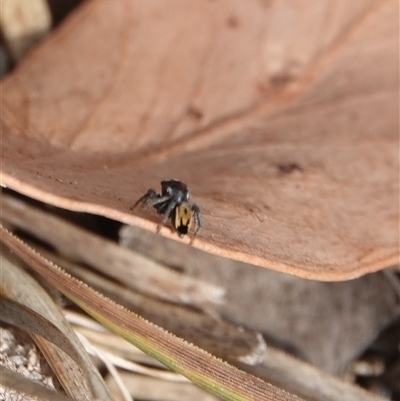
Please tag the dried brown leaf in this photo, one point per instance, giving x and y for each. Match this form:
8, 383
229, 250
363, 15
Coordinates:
26, 305
197, 365
282, 117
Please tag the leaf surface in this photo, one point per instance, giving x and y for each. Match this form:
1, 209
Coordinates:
281, 117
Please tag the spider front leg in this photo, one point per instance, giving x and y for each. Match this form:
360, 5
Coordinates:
145, 199
151, 198
167, 214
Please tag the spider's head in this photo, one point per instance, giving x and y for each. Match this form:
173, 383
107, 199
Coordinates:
176, 190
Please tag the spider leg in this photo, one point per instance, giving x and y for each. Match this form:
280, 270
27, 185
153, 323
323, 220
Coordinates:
150, 194
196, 217
168, 211
157, 201
150, 198
170, 207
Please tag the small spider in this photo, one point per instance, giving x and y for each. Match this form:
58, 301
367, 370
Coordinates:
173, 202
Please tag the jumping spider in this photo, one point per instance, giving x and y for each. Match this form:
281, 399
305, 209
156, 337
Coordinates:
173, 202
